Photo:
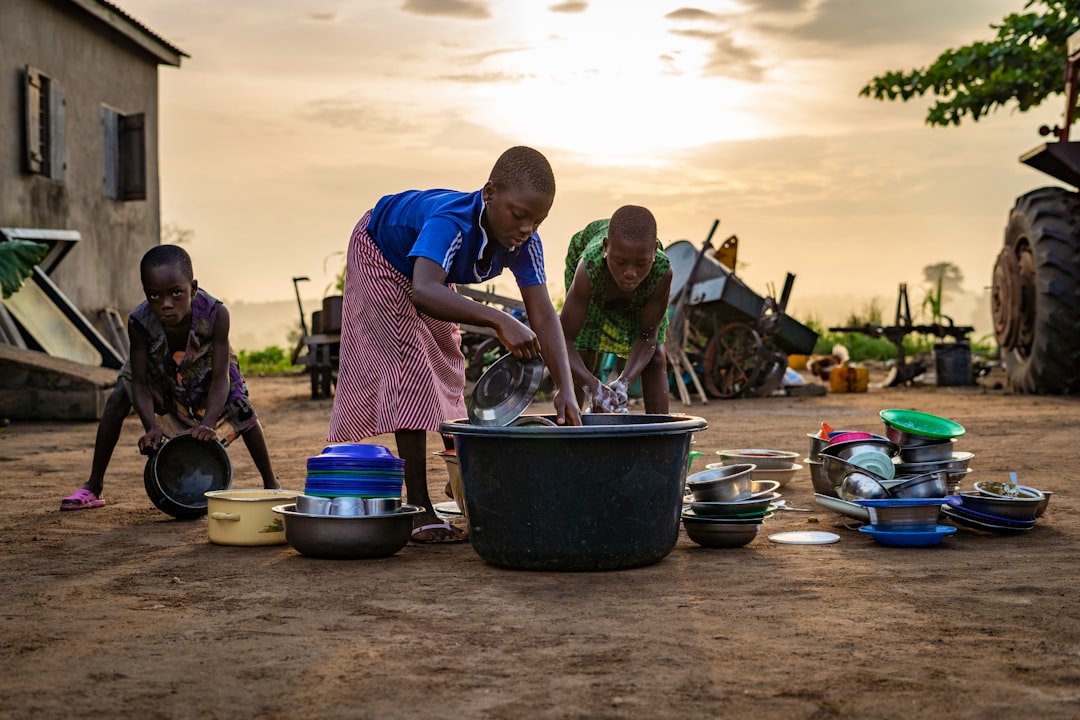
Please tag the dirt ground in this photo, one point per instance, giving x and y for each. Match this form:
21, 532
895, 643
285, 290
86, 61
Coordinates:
123, 611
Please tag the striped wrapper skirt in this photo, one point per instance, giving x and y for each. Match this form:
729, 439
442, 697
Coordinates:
397, 368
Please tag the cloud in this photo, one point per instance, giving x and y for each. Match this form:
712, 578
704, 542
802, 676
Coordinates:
569, 6
777, 6
691, 14
486, 78
448, 8
321, 17
727, 58
351, 114
857, 23
477, 58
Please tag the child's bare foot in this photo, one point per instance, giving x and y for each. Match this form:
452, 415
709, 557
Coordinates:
271, 484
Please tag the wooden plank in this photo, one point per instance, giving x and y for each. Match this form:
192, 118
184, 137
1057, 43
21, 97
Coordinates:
492, 298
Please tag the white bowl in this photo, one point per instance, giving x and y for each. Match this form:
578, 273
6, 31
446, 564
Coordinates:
782, 476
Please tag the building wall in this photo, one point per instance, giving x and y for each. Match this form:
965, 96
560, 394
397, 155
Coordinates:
96, 65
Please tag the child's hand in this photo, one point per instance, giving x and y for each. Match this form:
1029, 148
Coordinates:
602, 399
151, 441
567, 411
203, 433
622, 394
519, 339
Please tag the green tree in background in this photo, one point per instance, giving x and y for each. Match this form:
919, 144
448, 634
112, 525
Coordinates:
1023, 64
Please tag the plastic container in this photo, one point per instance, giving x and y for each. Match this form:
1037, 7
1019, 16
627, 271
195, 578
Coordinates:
606, 495
952, 363
844, 378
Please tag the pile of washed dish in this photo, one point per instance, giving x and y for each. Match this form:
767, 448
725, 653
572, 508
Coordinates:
727, 506
897, 483
355, 470
927, 444
997, 507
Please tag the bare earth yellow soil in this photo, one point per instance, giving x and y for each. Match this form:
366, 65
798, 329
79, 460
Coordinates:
125, 612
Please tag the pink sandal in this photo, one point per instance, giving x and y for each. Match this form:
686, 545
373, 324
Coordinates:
81, 499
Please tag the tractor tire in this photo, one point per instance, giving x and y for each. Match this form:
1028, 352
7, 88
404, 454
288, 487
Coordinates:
1036, 293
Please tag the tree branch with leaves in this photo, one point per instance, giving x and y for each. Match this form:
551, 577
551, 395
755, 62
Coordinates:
1024, 65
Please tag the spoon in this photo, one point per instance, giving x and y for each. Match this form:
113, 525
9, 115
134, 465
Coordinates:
782, 505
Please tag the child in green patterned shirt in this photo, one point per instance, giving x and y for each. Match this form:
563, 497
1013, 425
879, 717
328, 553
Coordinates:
618, 280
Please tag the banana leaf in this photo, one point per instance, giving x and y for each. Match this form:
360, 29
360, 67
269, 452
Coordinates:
17, 261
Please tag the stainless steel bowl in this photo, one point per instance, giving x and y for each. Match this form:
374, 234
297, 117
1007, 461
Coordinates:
722, 484
734, 508
817, 444
348, 536
956, 461
907, 439
999, 489
821, 484
902, 514
861, 484
1004, 507
834, 469
846, 450
762, 459
996, 488
927, 453
713, 533
927, 485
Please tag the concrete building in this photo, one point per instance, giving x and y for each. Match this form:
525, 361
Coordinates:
78, 140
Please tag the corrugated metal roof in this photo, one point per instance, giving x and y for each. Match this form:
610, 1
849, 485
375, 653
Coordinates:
116, 18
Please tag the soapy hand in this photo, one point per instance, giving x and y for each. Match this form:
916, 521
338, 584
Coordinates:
607, 399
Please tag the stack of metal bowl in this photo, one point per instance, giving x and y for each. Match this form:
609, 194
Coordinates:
905, 522
769, 465
318, 529
997, 507
727, 506
927, 445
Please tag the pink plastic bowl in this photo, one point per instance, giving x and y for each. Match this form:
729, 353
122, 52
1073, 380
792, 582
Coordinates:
846, 437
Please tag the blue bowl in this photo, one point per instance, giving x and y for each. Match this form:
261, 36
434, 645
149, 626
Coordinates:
905, 538
358, 451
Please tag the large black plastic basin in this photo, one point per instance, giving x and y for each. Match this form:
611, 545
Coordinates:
602, 496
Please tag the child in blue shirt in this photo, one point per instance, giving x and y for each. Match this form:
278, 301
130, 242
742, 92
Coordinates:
400, 366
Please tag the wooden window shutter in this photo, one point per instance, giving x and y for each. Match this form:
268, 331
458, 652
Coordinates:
35, 162
133, 157
57, 161
110, 124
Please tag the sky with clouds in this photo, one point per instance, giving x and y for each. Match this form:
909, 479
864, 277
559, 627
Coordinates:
292, 117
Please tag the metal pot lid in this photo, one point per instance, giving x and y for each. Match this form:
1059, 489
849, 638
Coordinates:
504, 391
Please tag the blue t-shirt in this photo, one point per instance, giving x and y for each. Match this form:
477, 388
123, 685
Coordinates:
444, 226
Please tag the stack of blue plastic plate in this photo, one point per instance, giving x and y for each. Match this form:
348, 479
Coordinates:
355, 470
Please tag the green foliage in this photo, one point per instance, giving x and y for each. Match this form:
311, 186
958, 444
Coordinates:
1024, 64
871, 313
17, 261
932, 301
272, 360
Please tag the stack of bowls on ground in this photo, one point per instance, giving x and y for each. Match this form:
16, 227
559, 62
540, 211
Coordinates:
862, 466
769, 465
351, 506
905, 522
927, 444
727, 506
818, 442
997, 507
355, 470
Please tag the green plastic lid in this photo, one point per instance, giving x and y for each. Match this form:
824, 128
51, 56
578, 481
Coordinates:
920, 423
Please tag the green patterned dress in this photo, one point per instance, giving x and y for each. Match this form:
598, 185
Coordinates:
610, 325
